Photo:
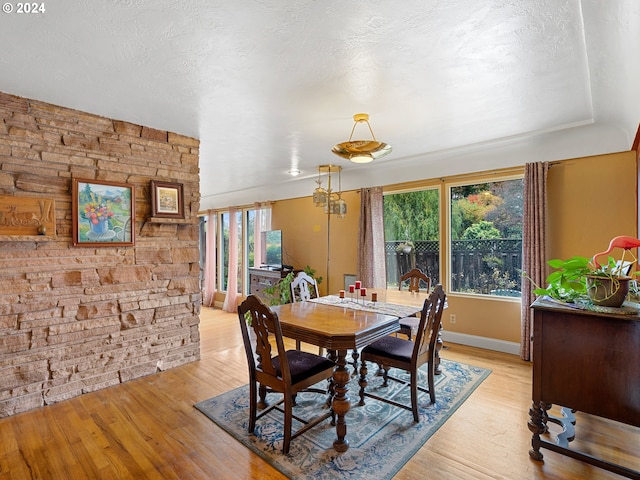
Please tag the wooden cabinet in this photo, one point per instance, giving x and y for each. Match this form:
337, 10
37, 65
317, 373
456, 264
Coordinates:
588, 362
261, 278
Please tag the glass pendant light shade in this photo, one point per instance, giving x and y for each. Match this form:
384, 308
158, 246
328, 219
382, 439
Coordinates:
319, 194
361, 151
340, 208
331, 201
319, 197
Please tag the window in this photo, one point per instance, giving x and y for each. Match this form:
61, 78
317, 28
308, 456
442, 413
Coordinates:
486, 237
224, 257
480, 236
412, 234
246, 220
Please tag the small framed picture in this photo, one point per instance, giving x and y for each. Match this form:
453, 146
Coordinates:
103, 213
167, 200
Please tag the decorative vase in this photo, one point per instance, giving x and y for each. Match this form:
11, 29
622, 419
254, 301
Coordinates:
608, 291
99, 228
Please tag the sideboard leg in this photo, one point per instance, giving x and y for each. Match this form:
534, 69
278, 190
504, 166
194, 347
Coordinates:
537, 425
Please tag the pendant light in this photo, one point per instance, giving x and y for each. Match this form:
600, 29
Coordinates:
331, 201
361, 151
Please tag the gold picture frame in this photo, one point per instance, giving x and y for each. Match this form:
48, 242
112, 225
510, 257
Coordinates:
167, 199
103, 213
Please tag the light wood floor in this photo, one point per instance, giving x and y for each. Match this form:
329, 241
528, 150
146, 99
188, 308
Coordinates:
148, 428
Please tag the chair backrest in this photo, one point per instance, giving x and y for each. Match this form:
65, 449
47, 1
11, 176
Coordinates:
430, 321
255, 315
303, 288
414, 276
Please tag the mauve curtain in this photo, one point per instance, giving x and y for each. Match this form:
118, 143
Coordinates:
371, 253
533, 245
210, 260
231, 300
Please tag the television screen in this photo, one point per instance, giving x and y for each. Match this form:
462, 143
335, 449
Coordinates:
272, 248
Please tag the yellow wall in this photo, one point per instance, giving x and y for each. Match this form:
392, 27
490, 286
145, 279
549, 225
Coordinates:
304, 237
483, 317
590, 200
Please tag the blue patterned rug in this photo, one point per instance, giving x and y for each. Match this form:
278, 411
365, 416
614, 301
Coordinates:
382, 438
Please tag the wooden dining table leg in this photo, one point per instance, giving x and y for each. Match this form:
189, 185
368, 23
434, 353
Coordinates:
341, 403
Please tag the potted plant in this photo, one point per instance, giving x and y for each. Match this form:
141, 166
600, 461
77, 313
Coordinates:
280, 293
405, 247
582, 278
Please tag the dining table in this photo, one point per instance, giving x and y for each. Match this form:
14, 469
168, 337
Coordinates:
344, 324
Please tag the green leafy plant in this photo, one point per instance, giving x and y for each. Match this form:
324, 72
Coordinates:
279, 293
312, 273
569, 281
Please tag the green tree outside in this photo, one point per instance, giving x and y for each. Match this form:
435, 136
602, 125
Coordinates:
412, 216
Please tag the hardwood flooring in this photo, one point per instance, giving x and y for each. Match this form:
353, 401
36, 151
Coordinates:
148, 428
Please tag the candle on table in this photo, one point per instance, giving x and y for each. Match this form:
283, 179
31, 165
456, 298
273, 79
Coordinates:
352, 288
363, 292
358, 284
341, 293
374, 296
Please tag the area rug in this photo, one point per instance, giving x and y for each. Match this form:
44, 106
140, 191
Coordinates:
382, 438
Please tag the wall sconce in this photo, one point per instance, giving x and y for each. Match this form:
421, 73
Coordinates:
361, 151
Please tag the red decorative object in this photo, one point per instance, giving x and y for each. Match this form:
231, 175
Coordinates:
352, 288
624, 242
358, 284
363, 292
341, 293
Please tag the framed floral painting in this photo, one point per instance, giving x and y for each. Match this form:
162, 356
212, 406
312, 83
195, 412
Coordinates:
167, 200
103, 213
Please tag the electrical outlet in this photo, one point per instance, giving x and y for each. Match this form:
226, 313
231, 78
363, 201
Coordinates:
452, 318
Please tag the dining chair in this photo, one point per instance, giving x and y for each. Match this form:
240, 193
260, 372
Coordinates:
303, 288
413, 277
394, 352
284, 371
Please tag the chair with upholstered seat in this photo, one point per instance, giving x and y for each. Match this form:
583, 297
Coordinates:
284, 371
394, 352
415, 279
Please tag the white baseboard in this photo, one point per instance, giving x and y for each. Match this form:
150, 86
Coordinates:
481, 342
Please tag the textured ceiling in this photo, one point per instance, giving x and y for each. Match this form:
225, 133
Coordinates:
453, 85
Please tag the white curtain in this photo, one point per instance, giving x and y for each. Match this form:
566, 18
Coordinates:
210, 260
231, 300
262, 223
371, 258
533, 245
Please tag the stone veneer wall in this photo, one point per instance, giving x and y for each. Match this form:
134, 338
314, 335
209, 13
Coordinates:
78, 319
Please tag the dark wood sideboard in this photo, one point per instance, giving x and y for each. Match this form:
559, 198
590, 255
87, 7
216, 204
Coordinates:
588, 362
261, 278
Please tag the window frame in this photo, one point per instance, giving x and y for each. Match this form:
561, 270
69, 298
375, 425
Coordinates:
449, 185
427, 186
444, 184
243, 238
